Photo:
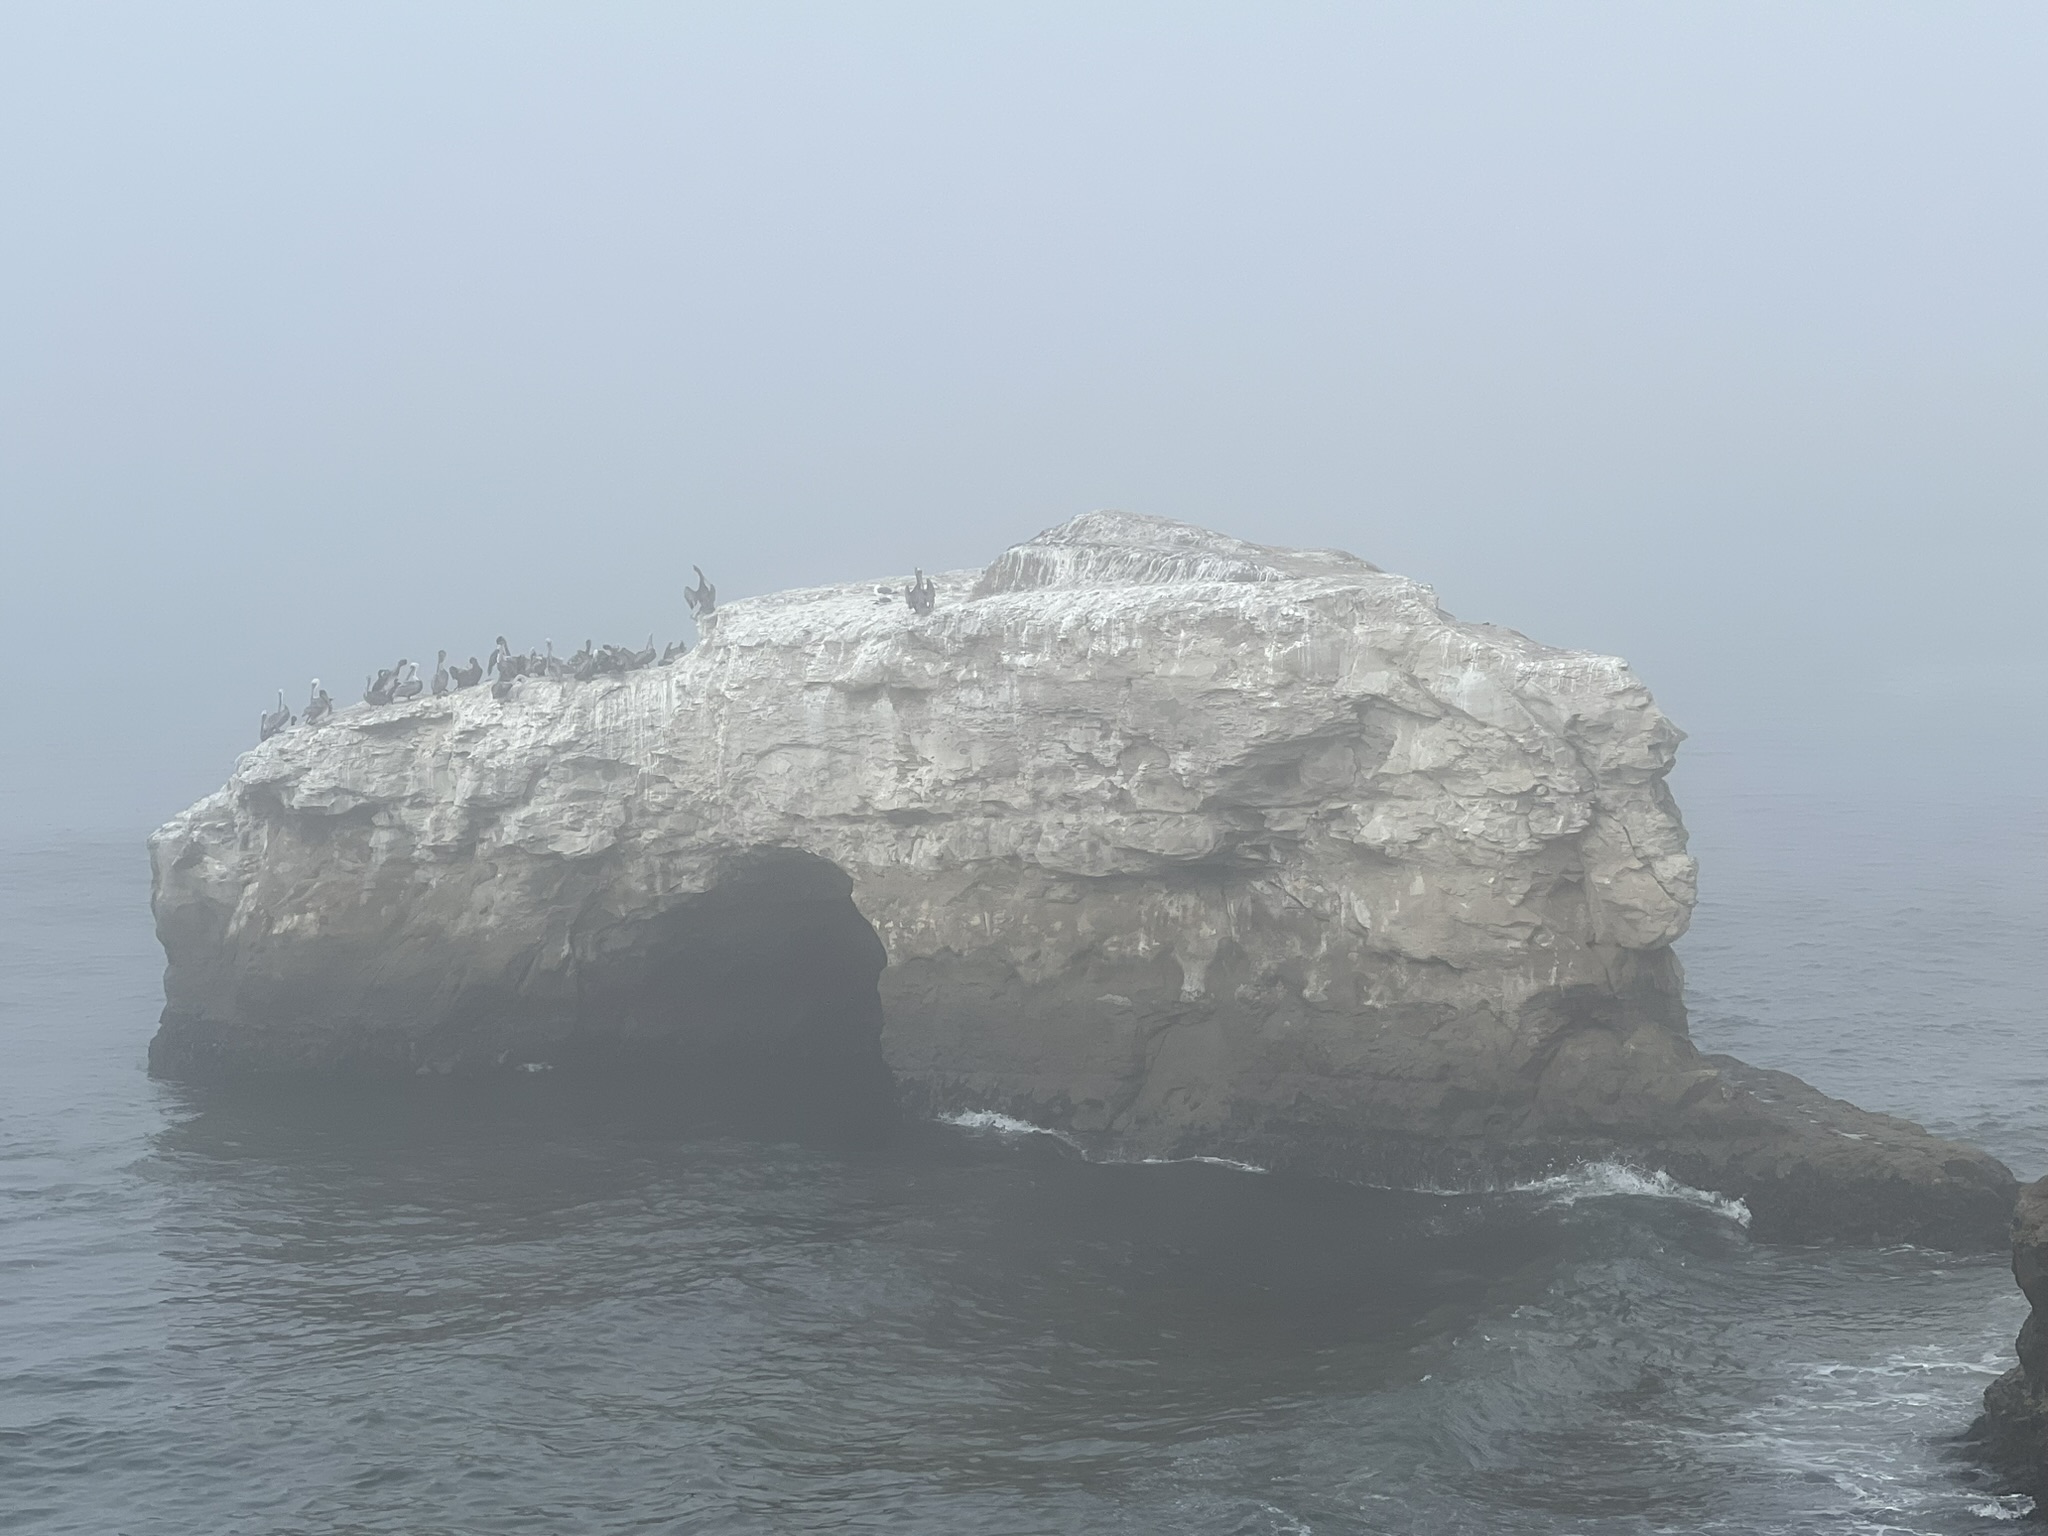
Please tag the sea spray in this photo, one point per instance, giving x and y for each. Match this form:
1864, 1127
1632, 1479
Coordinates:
1606, 1180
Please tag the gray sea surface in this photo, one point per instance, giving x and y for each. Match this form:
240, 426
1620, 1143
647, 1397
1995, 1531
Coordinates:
526, 1307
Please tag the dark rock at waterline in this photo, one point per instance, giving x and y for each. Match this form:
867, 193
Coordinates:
2013, 1429
1174, 843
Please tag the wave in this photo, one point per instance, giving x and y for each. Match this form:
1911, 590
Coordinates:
1009, 1125
1588, 1181
1006, 1125
2009, 1506
1215, 1162
1607, 1180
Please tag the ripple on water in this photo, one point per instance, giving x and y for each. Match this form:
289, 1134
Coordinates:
529, 1310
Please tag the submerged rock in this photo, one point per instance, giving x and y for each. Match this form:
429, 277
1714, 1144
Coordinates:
1177, 844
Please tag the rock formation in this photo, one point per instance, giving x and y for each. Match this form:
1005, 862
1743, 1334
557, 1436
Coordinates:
2014, 1428
1173, 842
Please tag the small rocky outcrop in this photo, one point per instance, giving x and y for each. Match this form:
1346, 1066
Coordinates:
2013, 1431
1175, 843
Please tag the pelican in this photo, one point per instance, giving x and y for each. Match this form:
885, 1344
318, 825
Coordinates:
274, 720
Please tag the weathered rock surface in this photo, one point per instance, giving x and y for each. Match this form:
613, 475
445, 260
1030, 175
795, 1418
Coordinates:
2014, 1426
1177, 843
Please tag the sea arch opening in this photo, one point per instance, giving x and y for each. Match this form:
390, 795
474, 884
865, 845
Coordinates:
766, 983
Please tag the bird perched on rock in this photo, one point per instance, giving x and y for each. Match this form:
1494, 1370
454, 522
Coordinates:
274, 720
702, 598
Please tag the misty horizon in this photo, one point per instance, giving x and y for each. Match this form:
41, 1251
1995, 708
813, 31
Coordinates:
1711, 339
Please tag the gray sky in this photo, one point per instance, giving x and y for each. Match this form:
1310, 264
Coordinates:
1709, 335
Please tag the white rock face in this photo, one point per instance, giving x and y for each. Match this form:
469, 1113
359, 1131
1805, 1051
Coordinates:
1175, 842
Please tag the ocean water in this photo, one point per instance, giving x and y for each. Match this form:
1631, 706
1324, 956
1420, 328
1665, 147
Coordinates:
527, 1308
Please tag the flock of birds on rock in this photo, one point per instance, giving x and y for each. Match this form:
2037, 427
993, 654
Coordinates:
396, 684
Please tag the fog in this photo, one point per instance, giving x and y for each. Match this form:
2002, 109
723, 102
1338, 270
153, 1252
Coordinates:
1711, 336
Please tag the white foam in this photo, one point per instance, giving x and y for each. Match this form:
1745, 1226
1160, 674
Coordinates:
1216, 1162
1009, 1125
1605, 1180
1005, 1125
1293, 1525
2011, 1506
1900, 1367
1588, 1181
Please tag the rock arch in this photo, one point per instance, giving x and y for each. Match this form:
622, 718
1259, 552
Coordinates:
770, 972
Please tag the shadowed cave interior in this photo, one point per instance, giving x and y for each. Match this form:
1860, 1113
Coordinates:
766, 983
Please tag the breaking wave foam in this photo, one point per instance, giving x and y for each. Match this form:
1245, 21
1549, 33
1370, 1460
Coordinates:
1587, 1181
1009, 1125
1604, 1180
1217, 1162
2011, 1506
1006, 1125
